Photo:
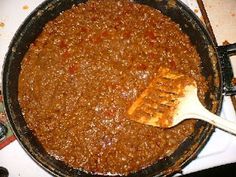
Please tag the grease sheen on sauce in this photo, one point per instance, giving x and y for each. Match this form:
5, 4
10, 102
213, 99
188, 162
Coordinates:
83, 72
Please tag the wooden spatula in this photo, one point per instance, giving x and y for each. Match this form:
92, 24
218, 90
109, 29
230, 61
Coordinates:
170, 98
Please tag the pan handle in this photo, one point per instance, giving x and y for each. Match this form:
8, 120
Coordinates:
226, 51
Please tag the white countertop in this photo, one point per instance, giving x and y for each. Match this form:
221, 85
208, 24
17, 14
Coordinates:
219, 150
222, 15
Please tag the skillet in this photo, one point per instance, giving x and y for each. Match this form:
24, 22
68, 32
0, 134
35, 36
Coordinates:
215, 66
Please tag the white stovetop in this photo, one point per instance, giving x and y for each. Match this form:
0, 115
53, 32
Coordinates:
219, 150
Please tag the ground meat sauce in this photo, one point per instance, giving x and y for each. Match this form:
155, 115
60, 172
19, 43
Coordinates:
85, 70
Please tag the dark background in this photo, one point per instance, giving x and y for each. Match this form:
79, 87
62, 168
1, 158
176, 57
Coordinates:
228, 170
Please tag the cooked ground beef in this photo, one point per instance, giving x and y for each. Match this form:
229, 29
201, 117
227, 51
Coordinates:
85, 70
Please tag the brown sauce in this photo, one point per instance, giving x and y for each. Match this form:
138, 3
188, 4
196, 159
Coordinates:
85, 70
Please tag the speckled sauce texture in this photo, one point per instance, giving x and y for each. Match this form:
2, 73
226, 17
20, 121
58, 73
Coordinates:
85, 70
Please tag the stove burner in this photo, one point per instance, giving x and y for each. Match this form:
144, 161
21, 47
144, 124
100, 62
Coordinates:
3, 172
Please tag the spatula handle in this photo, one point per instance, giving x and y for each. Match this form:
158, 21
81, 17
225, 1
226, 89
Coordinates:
227, 125
198, 111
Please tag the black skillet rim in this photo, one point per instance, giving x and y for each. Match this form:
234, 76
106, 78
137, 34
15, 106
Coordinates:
205, 136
